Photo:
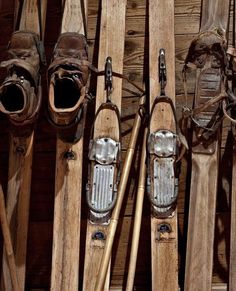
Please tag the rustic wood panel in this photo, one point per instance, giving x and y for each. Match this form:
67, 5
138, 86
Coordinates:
187, 18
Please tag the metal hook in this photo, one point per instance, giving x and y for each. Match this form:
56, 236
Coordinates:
162, 70
108, 77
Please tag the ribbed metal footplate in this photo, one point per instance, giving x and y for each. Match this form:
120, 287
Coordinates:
165, 184
102, 188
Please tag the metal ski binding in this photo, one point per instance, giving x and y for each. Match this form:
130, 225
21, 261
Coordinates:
162, 181
104, 156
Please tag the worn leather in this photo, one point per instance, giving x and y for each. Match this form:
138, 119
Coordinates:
69, 63
70, 52
23, 67
208, 53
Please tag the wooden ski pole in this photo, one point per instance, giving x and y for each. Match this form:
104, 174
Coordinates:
7, 242
138, 217
121, 191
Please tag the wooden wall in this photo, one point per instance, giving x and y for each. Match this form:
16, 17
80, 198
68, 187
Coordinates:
187, 18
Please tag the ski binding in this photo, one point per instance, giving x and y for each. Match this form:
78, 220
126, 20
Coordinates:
104, 156
162, 181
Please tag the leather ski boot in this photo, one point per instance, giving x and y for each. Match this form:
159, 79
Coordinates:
20, 93
68, 75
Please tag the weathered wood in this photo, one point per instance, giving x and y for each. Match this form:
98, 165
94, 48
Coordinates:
121, 192
18, 198
138, 217
75, 16
232, 263
201, 221
68, 184
30, 16
204, 178
164, 250
187, 17
8, 243
111, 43
20, 169
66, 228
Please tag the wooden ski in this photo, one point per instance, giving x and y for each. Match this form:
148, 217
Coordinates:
232, 265
232, 259
8, 243
21, 140
121, 193
208, 53
106, 133
67, 112
164, 240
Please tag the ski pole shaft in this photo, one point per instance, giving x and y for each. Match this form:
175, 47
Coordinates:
7, 242
116, 212
138, 217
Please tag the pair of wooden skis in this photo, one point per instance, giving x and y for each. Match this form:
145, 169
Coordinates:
161, 134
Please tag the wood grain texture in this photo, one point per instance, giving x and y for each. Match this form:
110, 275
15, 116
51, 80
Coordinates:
111, 43
232, 263
66, 226
187, 18
164, 250
199, 260
204, 179
8, 243
18, 199
215, 13
75, 16
137, 217
30, 16
20, 170
93, 254
68, 185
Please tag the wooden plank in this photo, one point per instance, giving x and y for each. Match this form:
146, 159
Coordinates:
42, 196
68, 184
7, 242
164, 251
18, 197
20, 170
201, 221
216, 287
111, 43
75, 16
204, 178
232, 263
30, 16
